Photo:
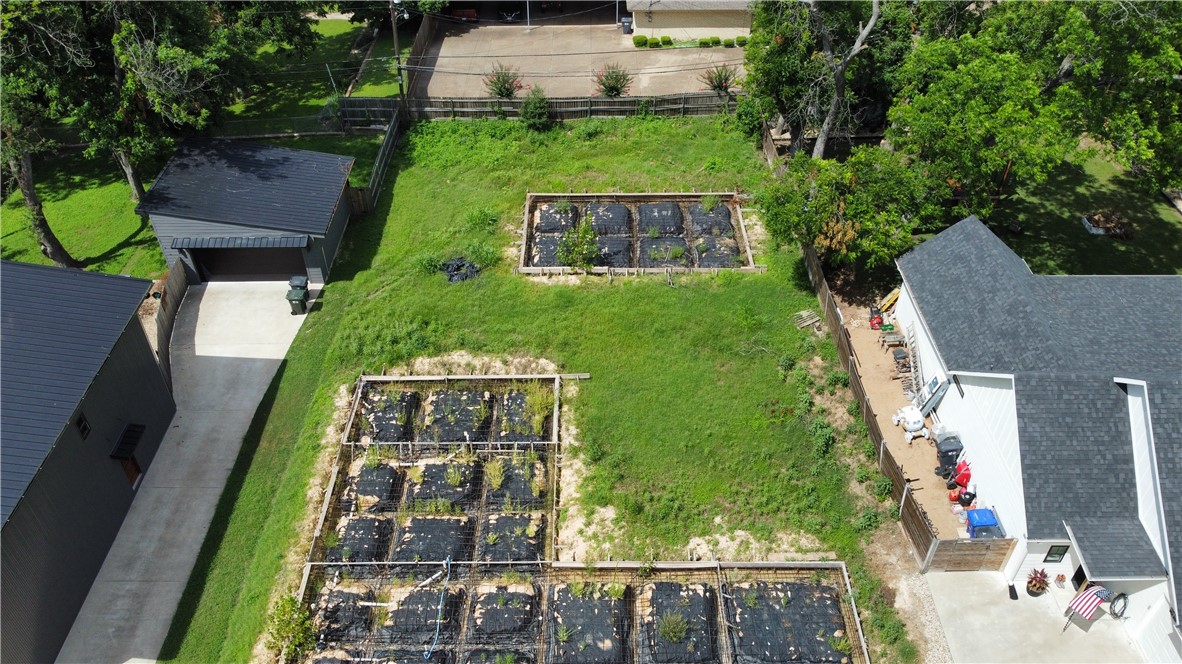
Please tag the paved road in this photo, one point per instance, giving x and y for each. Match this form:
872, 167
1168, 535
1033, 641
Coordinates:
228, 341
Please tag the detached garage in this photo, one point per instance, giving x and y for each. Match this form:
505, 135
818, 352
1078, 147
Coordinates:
243, 211
691, 19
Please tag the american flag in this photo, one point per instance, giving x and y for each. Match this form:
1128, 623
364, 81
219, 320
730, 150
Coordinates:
1085, 603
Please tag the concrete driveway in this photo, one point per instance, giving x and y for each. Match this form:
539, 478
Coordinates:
561, 58
229, 339
982, 624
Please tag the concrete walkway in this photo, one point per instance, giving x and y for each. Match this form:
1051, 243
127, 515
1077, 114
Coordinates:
982, 624
228, 341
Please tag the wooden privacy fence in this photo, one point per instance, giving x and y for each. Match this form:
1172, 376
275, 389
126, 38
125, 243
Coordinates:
932, 552
367, 111
174, 291
573, 108
414, 60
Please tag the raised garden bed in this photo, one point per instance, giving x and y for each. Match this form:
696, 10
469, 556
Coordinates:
524, 415
505, 615
511, 538
442, 487
433, 539
413, 614
498, 656
678, 624
555, 217
387, 416
786, 622
373, 487
360, 540
514, 483
457, 416
339, 618
586, 625
642, 232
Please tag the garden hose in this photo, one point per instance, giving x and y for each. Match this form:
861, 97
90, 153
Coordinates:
1118, 611
439, 613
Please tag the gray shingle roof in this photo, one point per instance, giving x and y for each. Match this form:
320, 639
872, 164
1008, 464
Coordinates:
58, 327
252, 185
1077, 458
1115, 549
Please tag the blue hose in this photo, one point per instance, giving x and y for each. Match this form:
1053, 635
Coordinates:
439, 613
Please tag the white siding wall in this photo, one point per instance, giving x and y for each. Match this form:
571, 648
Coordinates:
723, 24
986, 420
1145, 465
1149, 623
906, 315
1019, 567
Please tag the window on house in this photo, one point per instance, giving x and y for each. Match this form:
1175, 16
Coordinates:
82, 425
124, 451
1056, 553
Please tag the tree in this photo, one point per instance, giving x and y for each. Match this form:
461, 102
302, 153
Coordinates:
980, 117
862, 211
35, 54
837, 65
289, 629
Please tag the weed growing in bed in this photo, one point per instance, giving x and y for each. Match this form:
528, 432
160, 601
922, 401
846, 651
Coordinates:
672, 627
539, 404
454, 475
332, 539
579, 246
563, 633
709, 202
415, 474
653, 233
751, 599
492, 538
494, 473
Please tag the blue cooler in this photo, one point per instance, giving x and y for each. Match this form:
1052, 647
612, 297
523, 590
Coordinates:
983, 524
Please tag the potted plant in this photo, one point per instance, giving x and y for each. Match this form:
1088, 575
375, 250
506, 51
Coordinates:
1036, 582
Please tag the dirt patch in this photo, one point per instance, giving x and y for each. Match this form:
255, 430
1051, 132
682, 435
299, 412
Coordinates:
890, 558
147, 313
756, 233
581, 536
741, 546
463, 362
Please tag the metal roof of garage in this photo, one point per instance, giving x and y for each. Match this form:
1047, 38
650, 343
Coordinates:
275, 242
58, 326
248, 184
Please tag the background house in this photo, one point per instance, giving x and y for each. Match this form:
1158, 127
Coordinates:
83, 410
1066, 392
234, 210
691, 19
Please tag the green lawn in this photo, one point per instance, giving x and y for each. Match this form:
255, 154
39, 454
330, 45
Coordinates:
301, 87
1055, 242
380, 76
687, 414
88, 205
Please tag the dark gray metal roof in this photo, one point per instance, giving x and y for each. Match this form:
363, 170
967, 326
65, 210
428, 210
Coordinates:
1077, 455
251, 185
58, 327
280, 242
1115, 549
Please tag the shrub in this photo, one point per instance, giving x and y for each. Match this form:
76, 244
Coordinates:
290, 629
666, 40
579, 246
704, 42
867, 521
728, 43
535, 111
612, 81
504, 82
741, 41
639, 41
720, 78
882, 487
715, 41
653, 42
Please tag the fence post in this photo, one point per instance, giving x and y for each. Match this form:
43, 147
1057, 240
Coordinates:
881, 447
683, 105
903, 500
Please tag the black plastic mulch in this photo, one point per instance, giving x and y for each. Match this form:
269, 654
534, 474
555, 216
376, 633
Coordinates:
545, 250
455, 483
391, 418
498, 657
717, 252
460, 269
695, 603
365, 540
784, 622
380, 482
551, 220
506, 616
414, 619
517, 489
439, 656
512, 539
665, 217
457, 416
434, 539
597, 628
609, 218
614, 251
664, 252
340, 618
715, 222
513, 424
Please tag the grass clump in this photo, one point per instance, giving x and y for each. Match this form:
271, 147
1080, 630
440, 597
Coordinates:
494, 473
673, 627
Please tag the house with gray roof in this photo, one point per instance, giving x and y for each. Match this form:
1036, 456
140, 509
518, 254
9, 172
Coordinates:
1066, 392
246, 211
83, 409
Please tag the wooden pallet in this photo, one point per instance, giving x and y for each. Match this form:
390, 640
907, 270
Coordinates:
805, 318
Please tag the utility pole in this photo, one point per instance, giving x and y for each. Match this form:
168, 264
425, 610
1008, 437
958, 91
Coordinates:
398, 50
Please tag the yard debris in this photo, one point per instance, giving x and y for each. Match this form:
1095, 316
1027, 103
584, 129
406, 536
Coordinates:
460, 269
